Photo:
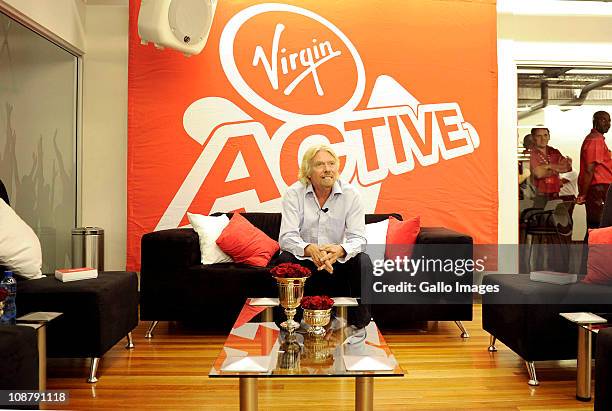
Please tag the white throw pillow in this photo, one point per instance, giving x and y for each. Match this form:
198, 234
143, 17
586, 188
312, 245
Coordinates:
20, 249
209, 228
376, 237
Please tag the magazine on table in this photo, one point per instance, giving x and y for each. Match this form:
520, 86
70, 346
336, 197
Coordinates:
74, 274
553, 277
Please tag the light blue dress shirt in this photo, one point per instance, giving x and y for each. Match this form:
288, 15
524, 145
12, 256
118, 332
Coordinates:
304, 222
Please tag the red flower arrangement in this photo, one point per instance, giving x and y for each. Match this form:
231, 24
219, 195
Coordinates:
317, 302
3, 294
290, 270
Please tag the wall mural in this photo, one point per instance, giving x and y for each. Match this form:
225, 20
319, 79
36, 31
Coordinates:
405, 91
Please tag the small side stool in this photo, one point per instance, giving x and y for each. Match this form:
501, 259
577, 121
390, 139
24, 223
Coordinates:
97, 313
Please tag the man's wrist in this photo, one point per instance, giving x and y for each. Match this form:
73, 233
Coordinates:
306, 252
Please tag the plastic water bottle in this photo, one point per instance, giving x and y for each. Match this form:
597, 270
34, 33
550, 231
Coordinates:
10, 309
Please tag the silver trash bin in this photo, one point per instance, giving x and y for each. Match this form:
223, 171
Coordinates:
88, 247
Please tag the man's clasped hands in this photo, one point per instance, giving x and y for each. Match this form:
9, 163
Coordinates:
324, 256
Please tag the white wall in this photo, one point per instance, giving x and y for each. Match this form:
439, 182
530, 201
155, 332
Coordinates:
540, 32
61, 20
104, 150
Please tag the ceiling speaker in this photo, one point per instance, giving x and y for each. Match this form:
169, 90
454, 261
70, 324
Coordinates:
181, 25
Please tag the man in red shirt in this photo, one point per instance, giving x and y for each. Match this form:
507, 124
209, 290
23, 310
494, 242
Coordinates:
595, 169
546, 163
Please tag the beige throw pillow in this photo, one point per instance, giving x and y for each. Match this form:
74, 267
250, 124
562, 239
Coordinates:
20, 249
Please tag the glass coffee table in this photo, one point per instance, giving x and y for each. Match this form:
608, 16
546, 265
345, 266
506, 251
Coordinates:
352, 347
588, 324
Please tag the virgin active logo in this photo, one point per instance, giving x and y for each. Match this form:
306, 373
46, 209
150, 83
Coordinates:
294, 59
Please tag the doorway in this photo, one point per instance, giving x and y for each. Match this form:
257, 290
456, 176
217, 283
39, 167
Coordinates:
560, 100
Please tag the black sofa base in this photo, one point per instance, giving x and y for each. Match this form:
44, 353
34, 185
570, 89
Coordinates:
97, 313
524, 315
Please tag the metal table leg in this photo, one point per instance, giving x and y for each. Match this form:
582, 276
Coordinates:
583, 377
41, 334
364, 393
248, 394
268, 315
341, 312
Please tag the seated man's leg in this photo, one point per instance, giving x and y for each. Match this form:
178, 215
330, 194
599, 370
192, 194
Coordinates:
286, 257
349, 275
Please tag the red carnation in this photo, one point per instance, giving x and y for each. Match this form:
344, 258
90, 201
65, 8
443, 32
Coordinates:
317, 302
290, 270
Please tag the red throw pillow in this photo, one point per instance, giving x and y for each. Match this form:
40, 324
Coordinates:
599, 263
401, 237
246, 243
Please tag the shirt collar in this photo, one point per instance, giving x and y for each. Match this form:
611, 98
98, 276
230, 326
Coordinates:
596, 133
336, 188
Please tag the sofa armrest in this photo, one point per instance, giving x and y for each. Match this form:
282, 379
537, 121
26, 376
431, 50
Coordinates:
18, 358
442, 235
172, 249
439, 243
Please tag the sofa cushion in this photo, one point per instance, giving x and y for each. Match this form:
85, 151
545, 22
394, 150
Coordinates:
599, 263
20, 249
269, 223
247, 244
209, 228
376, 239
401, 237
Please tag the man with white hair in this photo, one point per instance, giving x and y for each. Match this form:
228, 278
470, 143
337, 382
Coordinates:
323, 226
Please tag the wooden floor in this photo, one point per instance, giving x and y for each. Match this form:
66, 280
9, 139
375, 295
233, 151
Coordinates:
442, 372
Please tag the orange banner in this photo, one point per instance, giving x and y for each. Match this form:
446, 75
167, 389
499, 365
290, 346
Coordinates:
405, 91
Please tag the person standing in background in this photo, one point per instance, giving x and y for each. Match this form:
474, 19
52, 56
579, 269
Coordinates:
569, 188
526, 189
546, 163
595, 169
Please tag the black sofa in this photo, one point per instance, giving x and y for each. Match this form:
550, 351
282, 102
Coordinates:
96, 313
525, 314
175, 286
18, 360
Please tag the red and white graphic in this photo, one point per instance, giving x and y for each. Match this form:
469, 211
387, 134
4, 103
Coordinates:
276, 78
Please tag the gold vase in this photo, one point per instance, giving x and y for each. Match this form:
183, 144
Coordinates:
290, 293
289, 358
317, 319
316, 349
